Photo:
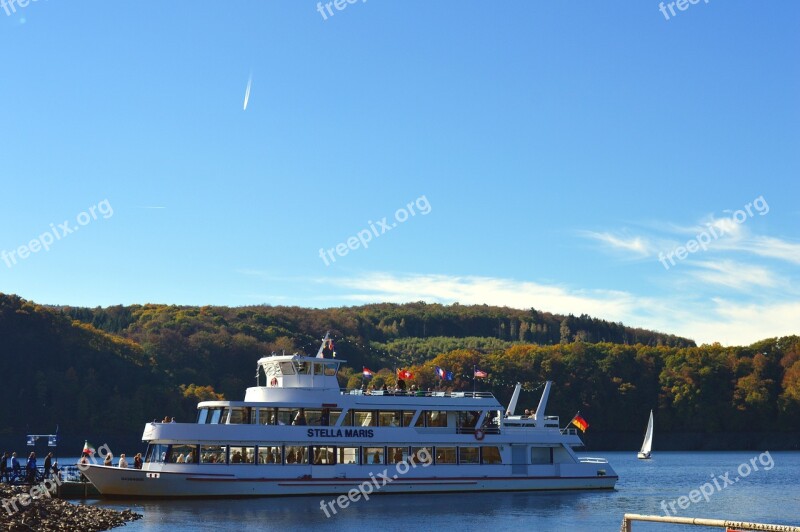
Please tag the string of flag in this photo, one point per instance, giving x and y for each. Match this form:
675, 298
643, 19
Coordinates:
442, 373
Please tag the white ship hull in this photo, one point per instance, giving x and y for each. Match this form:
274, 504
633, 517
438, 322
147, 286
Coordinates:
247, 482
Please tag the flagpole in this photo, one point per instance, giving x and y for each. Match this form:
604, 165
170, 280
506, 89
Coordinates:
474, 368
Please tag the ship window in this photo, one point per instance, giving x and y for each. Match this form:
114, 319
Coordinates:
270, 454
224, 417
390, 419
491, 455
445, 455
348, 455
333, 417
276, 416
541, 455
215, 415
432, 418
467, 419
202, 416
212, 454
296, 455
469, 455
237, 416
422, 455
156, 453
183, 454
243, 455
303, 368
324, 455
287, 368
373, 455
407, 417
313, 417
397, 454
330, 370
362, 418
317, 368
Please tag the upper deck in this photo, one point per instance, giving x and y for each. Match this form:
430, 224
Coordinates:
298, 379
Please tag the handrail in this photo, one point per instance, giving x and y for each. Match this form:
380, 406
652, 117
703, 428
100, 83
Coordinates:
627, 523
420, 393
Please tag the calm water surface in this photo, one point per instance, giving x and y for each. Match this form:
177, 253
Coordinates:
763, 496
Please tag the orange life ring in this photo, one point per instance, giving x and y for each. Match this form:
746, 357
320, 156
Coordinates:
479, 435
273, 382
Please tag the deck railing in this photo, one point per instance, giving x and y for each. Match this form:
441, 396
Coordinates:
628, 519
420, 393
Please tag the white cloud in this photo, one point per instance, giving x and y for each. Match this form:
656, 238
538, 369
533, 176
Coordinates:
733, 274
636, 244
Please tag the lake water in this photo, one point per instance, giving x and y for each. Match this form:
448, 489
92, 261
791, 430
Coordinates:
771, 496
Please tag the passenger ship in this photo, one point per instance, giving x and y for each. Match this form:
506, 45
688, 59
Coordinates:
300, 434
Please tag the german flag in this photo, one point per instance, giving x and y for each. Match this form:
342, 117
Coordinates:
579, 422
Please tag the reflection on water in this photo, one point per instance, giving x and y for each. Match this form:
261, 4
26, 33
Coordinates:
769, 496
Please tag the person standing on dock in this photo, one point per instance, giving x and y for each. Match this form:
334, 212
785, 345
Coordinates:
48, 462
4, 467
30, 468
15, 469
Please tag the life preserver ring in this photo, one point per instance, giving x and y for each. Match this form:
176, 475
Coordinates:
479, 435
274, 381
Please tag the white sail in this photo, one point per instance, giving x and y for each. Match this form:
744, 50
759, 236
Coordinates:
647, 445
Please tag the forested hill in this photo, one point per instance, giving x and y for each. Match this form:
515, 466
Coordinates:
106, 371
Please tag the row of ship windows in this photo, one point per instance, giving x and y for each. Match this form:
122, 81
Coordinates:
277, 454
330, 417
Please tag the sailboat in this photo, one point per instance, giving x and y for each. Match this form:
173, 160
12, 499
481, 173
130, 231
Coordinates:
647, 444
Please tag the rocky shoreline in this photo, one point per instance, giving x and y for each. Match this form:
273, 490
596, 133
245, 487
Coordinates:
45, 513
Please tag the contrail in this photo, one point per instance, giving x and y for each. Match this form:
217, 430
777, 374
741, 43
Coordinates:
247, 92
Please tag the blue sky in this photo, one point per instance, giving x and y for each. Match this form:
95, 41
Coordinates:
555, 154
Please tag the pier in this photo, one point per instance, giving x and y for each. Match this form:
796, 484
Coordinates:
730, 526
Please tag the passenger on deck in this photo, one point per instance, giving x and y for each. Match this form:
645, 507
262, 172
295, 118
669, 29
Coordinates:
137, 461
181, 459
527, 413
122, 464
300, 418
190, 457
4, 467
109, 461
48, 464
56, 471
